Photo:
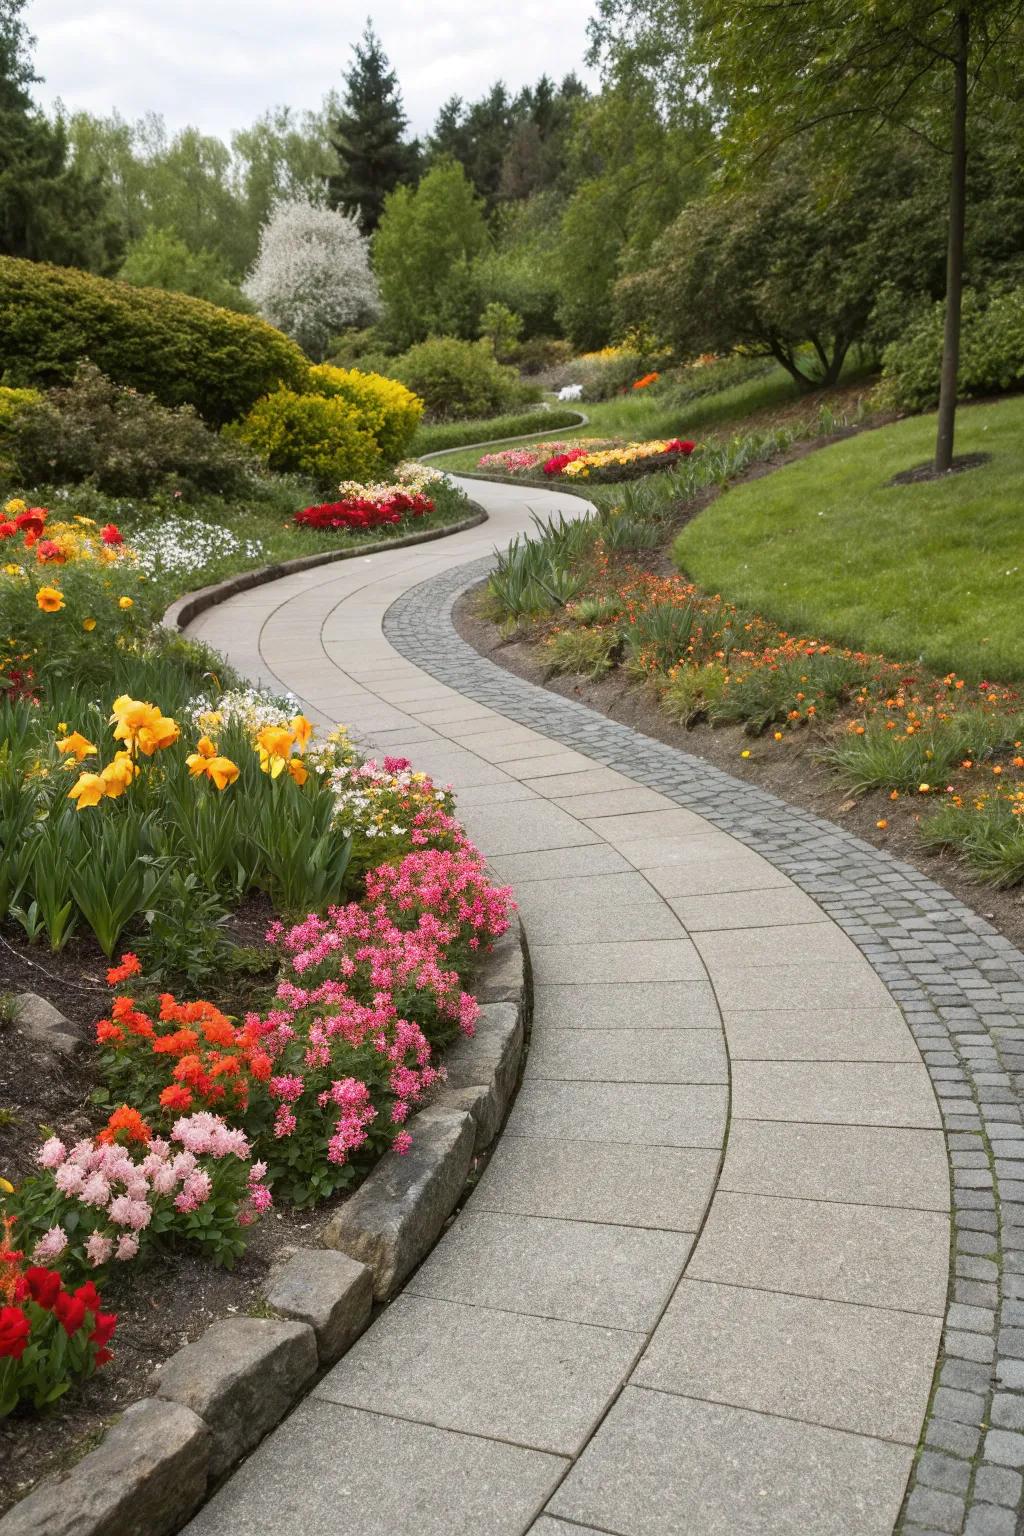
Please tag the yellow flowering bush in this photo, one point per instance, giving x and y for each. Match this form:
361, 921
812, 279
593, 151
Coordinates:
328, 439
389, 410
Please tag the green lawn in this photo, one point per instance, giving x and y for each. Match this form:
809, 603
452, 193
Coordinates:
641, 416
933, 571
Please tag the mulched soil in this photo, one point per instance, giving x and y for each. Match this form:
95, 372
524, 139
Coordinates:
789, 768
179, 1296
924, 472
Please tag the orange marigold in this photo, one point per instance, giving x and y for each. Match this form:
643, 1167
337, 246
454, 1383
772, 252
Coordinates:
127, 1123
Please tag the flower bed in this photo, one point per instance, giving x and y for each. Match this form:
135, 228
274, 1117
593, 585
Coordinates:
222, 1078
589, 459
372, 506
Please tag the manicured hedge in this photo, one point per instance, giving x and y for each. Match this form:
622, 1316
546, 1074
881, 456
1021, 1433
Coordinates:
490, 429
388, 410
182, 350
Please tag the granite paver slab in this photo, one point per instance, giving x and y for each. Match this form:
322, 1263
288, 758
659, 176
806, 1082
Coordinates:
629, 1055
764, 948
583, 1271
335, 1471
538, 1382
654, 960
747, 909
820, 1034
710, 877
664, 1465
804, 986
855, 1164
537, 825
552, 864
665, 1187
883, 1257
640, 1004
649, 1114
848, 1367
845, 1092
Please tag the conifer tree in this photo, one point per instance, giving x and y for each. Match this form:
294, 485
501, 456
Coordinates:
368, 136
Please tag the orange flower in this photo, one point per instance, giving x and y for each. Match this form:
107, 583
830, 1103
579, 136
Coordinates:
126, 1122
174, 1096
50, 599
129, 965
76, 745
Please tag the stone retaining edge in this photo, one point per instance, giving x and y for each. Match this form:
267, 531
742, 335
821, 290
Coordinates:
213, 1401
188, 607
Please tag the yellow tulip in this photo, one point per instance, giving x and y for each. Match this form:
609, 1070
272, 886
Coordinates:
89, 790
76, 744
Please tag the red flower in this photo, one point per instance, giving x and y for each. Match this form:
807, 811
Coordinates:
111, 534
31, 523
7, 530
43, 1286
14, 1331
49, 553
103, 1331
70, 1311
88, 1294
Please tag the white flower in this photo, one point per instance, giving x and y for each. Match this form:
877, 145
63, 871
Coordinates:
312, 276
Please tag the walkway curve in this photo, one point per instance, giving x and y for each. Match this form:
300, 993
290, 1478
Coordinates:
563, 1349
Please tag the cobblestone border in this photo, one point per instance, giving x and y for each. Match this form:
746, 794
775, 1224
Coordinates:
215, 1399
960, 985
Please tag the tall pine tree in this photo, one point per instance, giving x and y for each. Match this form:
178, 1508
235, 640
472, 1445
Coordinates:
368, 136
49, 209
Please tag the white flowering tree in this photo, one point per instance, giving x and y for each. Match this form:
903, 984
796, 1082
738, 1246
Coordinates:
312, 276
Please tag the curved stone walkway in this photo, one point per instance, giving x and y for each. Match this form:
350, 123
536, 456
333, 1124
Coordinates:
701, 1285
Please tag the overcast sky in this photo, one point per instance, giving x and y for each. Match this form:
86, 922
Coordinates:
220, 63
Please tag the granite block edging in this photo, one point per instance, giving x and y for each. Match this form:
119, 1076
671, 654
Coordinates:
213, 1401
189, 606
960, 986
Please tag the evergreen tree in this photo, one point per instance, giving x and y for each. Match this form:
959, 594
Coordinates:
368, 136
49, 209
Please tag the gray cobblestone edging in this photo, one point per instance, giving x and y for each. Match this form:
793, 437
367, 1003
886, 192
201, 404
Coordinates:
960, 985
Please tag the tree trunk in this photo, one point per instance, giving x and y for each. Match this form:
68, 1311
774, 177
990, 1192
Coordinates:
955, 253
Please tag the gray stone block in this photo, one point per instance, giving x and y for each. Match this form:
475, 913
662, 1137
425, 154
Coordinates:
241, 1376
483, 1069
1004, 1448
327, 1290
502, 976
145, 1478
46, 1025
393, 1219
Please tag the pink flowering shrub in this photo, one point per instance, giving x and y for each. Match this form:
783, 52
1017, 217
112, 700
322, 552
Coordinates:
99, 1203
369, 993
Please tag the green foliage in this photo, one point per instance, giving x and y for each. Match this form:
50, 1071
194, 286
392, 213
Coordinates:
512, 147
765, 696
541, 572
590, 652
326, 438
786, 266
159, 259
389, 412
991, 352
121, 442
423, 255
181, 350
368, 136
897, 759
459, 379
435, 436
659, 635
987, 835
518, 271
828, 547
502, 327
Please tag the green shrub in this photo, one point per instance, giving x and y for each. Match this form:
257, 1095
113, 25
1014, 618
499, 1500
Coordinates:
437, 436
458, 379
591, 652
883, 759
121, 442
991, 352
390, 412
183, 351
324, 437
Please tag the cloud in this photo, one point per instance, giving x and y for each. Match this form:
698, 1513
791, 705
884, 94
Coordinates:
220, 63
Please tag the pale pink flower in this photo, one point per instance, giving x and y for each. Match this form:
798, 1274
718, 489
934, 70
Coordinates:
52, 1153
